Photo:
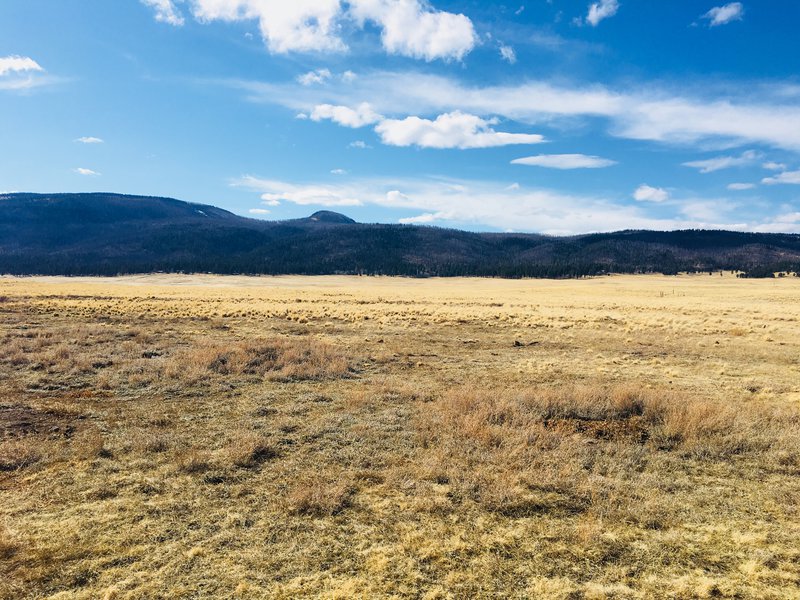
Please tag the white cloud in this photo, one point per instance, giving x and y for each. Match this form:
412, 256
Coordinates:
450, 130
737, 187
413, 28
312, 77
792, 177
89, 140
21, 73
349, 76
258, 211
425, 218
774, 166
348, 117
338, 172
644, 112
408, 27
86, 172
360, 144
645, 193
18, 64
273, 192
298, 26
166, 12
489, 203
722, 15
601, 10
507, 53
565, 161
724, 162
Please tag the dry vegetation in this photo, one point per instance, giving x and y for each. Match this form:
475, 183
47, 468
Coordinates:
193, 437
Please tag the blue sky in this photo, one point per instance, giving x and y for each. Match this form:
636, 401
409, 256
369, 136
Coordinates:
559, 116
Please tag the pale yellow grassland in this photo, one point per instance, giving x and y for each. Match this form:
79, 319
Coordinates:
168, 436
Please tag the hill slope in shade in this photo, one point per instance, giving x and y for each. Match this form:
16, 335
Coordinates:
107, 234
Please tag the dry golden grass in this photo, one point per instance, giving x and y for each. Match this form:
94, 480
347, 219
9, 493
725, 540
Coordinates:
341, 437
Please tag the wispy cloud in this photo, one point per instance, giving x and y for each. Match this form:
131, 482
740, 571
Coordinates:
275, 191
312, 77
507, 54
408, 28
658, 114
738, 187
718, 163
90, 140
495, 204
565, 161
166, 12
791, 177
601, 10
86, 172
722, 15
646, 193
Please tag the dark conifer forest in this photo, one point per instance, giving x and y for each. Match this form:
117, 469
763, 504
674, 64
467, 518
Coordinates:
111, 234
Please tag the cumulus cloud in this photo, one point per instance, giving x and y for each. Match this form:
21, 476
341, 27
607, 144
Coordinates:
724, 162
722, 15
792, 177
18, 64
565, 161
601, 10
89, 140
413, 28
86, 172
408, 27
737, 187
20, 73
449, 130
494, 204
356, 117
258, 211
312, 77
338, 172
166, 11
646, 193
507, 54
774, 166
299, 26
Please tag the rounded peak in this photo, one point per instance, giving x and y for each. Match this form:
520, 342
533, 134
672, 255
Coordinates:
328, 216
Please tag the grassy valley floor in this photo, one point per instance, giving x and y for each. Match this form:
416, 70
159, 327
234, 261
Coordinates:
170, 436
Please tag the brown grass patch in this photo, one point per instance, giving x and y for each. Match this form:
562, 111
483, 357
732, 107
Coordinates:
249, 450
18, 454
277, 360
320, 497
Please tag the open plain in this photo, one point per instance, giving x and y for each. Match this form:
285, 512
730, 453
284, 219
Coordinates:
169, 436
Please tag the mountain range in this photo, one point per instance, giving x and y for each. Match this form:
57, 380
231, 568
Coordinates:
109, 234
